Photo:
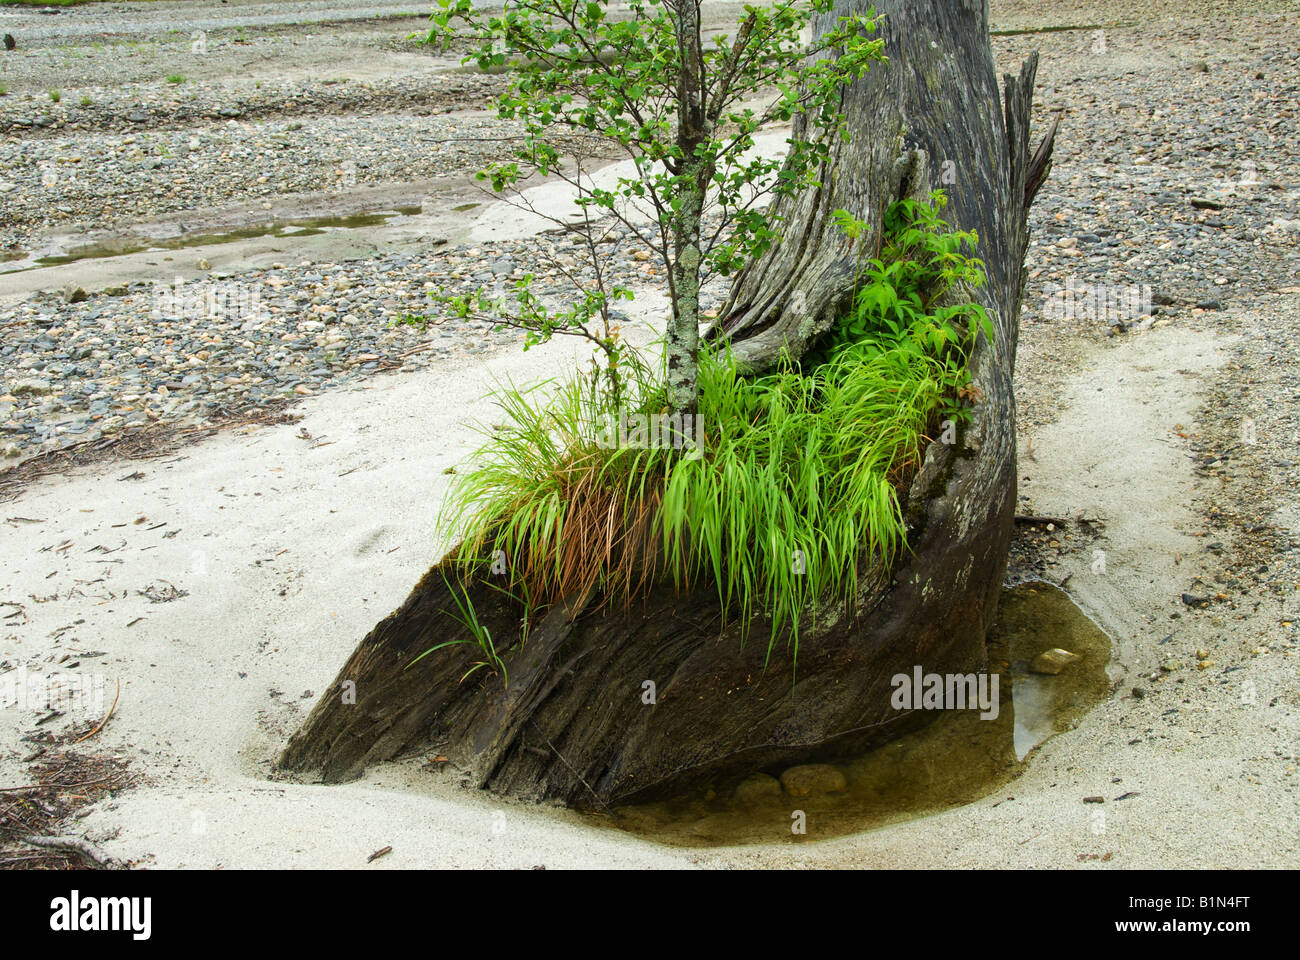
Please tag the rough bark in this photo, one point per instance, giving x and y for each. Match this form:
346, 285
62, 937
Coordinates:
572, 722
681, 345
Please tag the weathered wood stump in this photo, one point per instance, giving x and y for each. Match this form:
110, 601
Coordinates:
572, 722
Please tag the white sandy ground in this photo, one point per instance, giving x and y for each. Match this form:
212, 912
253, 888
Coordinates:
291, 549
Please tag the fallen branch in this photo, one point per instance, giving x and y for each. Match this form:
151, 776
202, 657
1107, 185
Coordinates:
75, 846
106, 716
1036, 519
1032, 518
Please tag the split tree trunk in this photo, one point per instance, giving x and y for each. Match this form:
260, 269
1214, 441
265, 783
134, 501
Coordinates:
573, 722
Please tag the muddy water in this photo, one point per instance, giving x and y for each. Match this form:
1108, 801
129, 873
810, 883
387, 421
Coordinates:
119, 246
956, 759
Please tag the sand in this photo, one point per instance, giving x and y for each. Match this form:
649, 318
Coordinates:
291, 548
291, 541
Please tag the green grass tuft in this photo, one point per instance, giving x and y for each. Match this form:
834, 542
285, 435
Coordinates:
796, 485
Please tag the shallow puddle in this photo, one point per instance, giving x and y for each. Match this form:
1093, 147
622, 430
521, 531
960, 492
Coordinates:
955, 760
120, 246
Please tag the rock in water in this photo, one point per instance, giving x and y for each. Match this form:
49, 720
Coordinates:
812, 778
757, 787
1053, 661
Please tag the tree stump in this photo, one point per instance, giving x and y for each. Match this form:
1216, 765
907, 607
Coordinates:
574, 721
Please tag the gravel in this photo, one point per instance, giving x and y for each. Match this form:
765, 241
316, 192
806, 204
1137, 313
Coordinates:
1147, 137
69, 183
189, 352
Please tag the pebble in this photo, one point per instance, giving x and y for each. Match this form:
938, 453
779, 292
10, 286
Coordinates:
757, 787
31, 388
1053, 661
813, 778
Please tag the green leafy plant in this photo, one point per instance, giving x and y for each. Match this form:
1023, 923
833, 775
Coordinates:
56, 95
679, 108
919, 291
175, 78
796, 485
419, 320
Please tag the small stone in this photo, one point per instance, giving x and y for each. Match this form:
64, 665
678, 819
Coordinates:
12, 451
1169, 666
1194, 601
75, 295
31, 388
812, 778
1053, 661
757, 787
302, 390
1206, 203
